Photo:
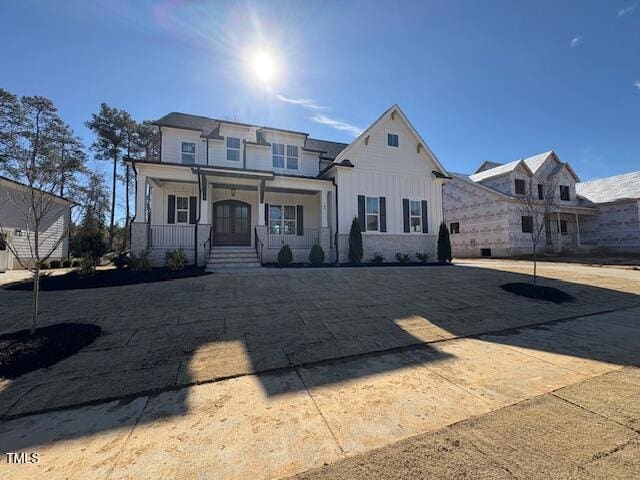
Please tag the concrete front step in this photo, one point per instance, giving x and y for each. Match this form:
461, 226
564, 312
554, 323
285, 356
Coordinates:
253, 259
214, 267
250, 256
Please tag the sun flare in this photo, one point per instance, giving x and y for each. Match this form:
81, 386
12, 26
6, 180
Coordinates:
264, 66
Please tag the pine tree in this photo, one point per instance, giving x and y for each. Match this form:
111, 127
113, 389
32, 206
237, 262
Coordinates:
444, 244
355, 242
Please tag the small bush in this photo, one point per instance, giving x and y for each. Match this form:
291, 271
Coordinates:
75, 264
175, 260
121, 260
44, 265
316, 255
55, 264
87, 266
140, 262
66, 263
377, 259
403, 258
285, 256
355, 242
423, 257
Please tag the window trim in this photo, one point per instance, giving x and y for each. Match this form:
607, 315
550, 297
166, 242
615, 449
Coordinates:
296, 157
177, 196
367, 214
282, 220
182, 152
455, 231
397, 138
233, 148
568, 190
419, 216
560, 223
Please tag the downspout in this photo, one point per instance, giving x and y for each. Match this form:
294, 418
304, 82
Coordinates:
333, 180
244, 154
135, 175
207, 150
195, 231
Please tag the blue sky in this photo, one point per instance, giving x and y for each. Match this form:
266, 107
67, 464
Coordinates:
494, 80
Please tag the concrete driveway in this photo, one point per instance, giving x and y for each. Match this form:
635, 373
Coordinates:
266, 375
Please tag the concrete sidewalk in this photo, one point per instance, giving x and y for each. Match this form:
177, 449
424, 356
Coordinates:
295, 419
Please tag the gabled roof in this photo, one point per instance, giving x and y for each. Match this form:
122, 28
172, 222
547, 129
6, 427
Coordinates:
610, 189
487, 165
466, 178
532, 164
19, 185
330, 149
397, 109
498, 171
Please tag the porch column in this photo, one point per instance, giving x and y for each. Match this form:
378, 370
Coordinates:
204, 202
141, 197
324, 212
577, 231
261, 204
559, 232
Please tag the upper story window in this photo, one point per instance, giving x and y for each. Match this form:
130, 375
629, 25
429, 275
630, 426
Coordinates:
415, 215
454, 227
392, 140
540, 191
233, 149
188, 152
520, 186
292, 157
182, 209
564, 193
278, 155
373, 213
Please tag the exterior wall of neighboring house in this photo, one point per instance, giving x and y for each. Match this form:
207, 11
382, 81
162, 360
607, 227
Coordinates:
482, 217
19, 233
616, 226
395, 173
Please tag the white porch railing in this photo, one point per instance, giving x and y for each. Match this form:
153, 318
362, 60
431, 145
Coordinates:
171, 236
307, 240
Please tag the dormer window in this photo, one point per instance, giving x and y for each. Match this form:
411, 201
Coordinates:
188, 150
278, 155
564, 193
233, 149
520, 187
392, 140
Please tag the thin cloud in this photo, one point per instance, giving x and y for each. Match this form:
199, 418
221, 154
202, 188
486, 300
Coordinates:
575, 41
637, 84
303, 102
337, 124
627, 10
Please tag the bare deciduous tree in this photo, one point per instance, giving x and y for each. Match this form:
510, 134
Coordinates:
537, 212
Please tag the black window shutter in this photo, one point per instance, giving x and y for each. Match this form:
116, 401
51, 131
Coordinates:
383, 214
266, 214
171, 209
425, 217
362, 213
192, 210
300, 220
405, 215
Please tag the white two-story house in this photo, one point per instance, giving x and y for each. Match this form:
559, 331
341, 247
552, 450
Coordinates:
233, 193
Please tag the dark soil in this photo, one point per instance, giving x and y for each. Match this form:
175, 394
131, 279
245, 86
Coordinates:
107, 278
538, 292
21, 353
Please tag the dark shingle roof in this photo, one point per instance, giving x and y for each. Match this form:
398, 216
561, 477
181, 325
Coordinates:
331, 149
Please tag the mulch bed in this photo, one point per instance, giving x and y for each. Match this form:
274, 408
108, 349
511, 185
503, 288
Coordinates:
356, 265
538, 292
107, 278
21, 353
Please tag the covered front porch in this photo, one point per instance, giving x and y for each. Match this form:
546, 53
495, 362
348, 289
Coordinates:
562, 228
205, 208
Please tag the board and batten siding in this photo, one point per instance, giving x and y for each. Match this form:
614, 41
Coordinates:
391, 172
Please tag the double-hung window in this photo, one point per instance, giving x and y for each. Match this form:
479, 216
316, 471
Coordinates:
282, 219
292, 157
182, 209
233, 149
392, 140
278, 155
188, 150
415, 215
373, 214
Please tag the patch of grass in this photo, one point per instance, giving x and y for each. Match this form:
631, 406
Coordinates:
21, 353
108, 278
538, 292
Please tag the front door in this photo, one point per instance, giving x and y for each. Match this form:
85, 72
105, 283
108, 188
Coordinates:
231, 223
